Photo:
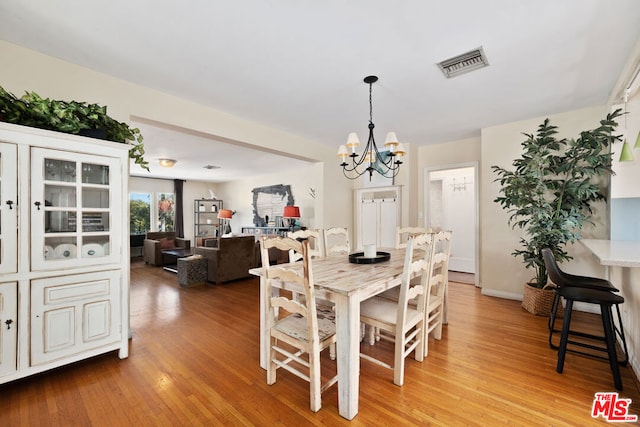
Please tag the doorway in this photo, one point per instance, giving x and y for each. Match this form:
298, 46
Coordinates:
451, 204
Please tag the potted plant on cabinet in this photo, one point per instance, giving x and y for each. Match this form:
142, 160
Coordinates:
70, 117
550, 194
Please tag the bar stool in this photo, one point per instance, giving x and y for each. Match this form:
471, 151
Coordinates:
562, 279
605, 300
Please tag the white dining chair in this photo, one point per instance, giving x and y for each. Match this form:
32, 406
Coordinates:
316, 250
436, 306
398, 321
336, 241
303, 328
316, 243
403, 234
436, 312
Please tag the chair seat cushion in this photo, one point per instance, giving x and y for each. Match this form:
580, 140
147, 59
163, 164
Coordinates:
386, 311
393, 294
296, 326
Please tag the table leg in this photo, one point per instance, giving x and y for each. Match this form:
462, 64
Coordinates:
348, 354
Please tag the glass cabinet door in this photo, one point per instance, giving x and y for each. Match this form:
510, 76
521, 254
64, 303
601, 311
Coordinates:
72, 209
8, 208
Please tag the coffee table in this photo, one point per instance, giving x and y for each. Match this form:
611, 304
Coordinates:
172, 256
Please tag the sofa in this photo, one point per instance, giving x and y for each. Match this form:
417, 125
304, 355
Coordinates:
229, 258
157, 241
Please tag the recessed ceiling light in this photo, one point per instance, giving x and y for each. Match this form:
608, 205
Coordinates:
167, 163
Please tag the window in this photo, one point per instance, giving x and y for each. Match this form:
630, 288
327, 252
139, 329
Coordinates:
139, 213
166, 212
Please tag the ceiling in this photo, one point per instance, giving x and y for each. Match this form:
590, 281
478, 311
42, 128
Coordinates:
298, 66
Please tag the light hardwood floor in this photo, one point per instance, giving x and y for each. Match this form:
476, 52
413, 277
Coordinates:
194, 361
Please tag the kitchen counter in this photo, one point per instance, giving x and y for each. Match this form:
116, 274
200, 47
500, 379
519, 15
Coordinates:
614, 253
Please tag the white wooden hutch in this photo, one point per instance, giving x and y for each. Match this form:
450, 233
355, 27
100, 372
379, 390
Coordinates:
64, 267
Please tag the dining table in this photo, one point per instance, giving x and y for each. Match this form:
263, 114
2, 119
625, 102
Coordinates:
346, 284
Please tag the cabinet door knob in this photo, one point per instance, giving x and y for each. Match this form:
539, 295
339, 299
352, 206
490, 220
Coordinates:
10, 203
37, 204
8, 323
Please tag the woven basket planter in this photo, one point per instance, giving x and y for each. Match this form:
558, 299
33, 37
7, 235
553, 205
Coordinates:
538, 301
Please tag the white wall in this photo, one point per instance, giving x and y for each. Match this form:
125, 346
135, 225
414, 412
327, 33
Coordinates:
26, 70
237, 195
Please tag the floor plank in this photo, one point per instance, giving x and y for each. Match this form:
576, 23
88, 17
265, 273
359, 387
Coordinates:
194, 361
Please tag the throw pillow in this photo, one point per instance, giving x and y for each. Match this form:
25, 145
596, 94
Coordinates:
166, 244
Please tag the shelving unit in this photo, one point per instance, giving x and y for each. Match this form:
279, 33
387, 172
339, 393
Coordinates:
206, 224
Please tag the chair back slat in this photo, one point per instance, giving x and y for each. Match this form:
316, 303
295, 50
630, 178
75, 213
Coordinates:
418, 254
336, 241
316, 244
403, 234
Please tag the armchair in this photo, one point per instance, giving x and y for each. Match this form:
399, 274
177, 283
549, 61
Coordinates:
229, 258
157, 241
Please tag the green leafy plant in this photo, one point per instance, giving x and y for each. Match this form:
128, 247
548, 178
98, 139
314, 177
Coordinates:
69, 117
550, 192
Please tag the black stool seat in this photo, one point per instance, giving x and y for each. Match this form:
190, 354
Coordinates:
605, 300
591, 296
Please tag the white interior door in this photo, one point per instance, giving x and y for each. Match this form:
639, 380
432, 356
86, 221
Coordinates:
452, 205
387, 223
369, 222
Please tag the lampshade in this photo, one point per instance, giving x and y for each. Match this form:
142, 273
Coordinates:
626, 155
637, 141
391, 140
167, 163
291, 212
352, 140
225, 214
399, 150
343, 152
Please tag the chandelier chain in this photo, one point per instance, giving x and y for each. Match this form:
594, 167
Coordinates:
370, 103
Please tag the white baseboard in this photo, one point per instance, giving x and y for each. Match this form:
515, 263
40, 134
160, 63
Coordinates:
501, 294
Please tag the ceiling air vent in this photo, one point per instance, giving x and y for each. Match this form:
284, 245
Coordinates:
464, 63
210, 167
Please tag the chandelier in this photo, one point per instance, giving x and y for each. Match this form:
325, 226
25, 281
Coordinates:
386, 163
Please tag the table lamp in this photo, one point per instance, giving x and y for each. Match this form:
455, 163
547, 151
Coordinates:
291, 213
225, 215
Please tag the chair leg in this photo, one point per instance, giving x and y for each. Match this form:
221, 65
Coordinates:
371, 334
398, 362
420, 351
609, 336
562, 350
552, 320
271, 367
437, 332
315, 381
620, 332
